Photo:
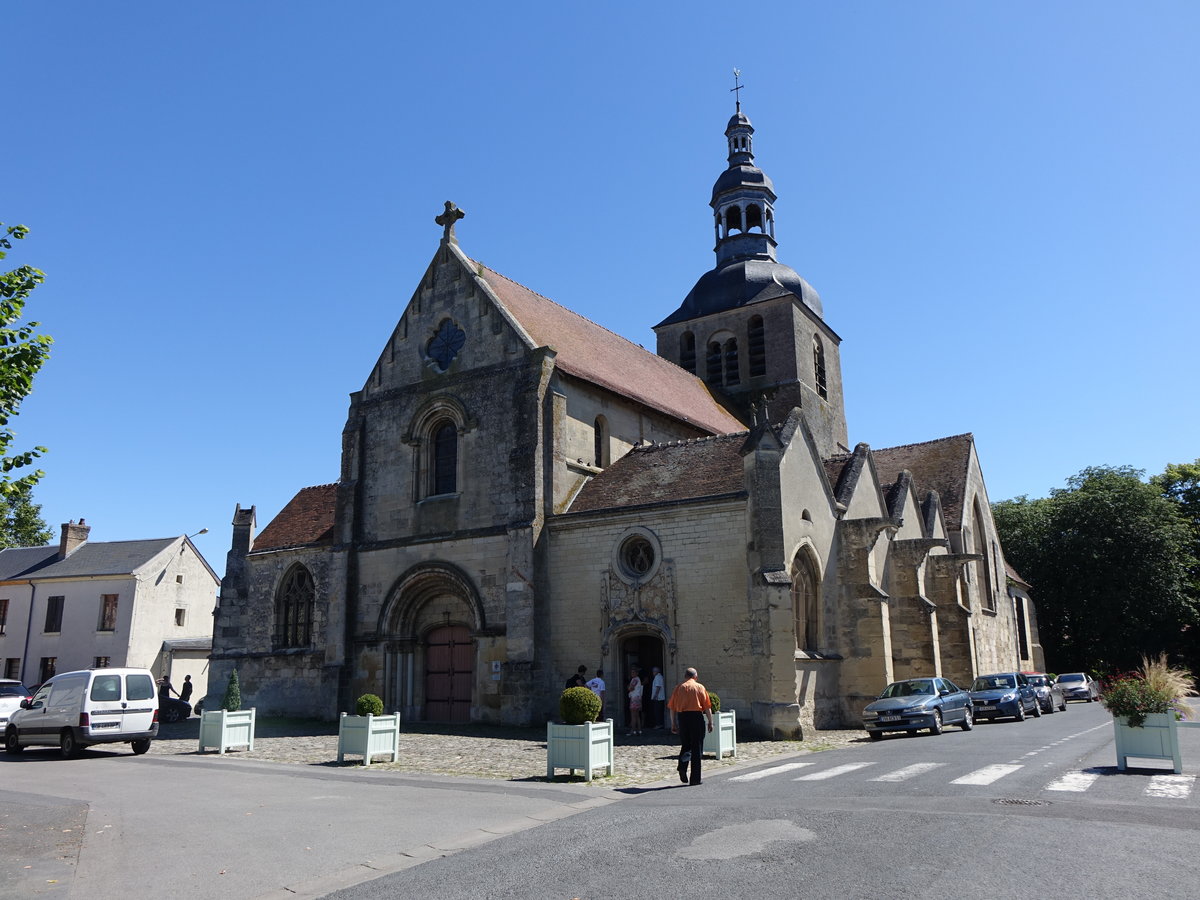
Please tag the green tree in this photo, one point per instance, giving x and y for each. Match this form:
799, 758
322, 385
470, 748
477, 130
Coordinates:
22, 353
1181, 483
21, 522
1109, 559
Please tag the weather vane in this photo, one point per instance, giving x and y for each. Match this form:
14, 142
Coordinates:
736, 89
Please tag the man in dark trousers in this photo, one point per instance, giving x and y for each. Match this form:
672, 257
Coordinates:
186, 694
690, 710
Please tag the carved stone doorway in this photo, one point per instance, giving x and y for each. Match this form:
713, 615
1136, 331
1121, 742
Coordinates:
644, 651
449, 674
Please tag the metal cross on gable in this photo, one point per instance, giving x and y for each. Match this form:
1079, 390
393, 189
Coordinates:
447, 220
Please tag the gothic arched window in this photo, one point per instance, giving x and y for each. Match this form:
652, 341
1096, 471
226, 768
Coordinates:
819, 368
443, 468
294, 609
600, 443
806, 602
754, 217
758, 347
733, 219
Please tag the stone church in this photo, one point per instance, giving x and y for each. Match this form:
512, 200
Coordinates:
523, 491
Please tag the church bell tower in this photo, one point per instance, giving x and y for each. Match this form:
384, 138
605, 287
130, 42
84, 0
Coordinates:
752, 328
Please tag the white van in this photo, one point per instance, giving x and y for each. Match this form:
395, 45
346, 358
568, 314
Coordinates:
96, 706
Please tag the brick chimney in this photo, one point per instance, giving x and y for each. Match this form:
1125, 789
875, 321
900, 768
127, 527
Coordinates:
72, 536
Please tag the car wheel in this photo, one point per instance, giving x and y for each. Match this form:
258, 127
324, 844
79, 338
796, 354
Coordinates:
1090, 699
1062, 707
1037, 709
171, 715
11, 743
67, 745
968, 721
936, 727
140, 746
1020, 716
875, 735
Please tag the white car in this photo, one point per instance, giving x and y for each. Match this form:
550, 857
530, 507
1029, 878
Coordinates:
11, 694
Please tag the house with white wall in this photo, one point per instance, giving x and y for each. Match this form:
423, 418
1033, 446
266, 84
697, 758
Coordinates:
84, 604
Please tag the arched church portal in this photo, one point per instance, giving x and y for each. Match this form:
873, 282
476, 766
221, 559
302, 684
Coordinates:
449, 674
644, 650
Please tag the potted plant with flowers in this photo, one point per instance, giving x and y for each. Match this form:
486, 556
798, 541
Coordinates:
1147, 707
580, 742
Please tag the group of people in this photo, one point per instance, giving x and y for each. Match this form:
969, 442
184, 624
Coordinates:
165, 690
689, 706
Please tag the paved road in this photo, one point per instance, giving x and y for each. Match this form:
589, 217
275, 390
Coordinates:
1008, 810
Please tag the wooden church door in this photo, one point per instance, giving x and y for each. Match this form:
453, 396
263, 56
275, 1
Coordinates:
449, 674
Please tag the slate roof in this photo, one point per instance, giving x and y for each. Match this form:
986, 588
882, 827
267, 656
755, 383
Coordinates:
664, 473
1012, 574
593, 353
307, 519
98, 558
940, 465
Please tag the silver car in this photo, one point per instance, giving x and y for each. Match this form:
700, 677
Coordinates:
1078, 686
1049, 694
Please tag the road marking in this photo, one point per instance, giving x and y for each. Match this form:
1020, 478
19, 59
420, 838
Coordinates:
1073, 781
834, 772
1171, 787
987, 774
767, 773
909, 772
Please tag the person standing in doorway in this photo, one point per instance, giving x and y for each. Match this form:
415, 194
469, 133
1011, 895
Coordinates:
596, 686
186, 694
579, 679
690, 710
657, 697
635, 702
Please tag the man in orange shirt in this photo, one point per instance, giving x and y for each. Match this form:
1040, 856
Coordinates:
690, 707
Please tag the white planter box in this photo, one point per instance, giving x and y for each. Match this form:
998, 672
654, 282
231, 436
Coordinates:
221, 729
587, 747
368, 736
1156, 739
723, 738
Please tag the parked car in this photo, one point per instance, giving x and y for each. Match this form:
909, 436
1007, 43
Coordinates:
95, 706
917, 703
12, 692
1004, 695
1078, 686
1050, 695
173, 710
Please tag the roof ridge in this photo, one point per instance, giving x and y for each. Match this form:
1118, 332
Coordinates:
683, 442
952, 437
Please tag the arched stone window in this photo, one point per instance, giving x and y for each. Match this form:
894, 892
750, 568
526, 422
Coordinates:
731, 362
294, 609
443, 462
733, 219
819, 368
687, 351
757, 347
600, 442
806, 601
712, 373
754, 217
987, 595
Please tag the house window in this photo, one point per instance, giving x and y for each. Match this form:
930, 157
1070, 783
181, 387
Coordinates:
12, 668
181, 617
600, 442
294, 609
54, 609
444, 462
108, 613
757, 347
687, 351
47, 668
1022, 634
101, 662
731, 362
819, 368
179, 579
3, 616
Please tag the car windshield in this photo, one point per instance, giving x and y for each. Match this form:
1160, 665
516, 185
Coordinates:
993, 683
1037, 680
1072, 677
908, 688
13, 690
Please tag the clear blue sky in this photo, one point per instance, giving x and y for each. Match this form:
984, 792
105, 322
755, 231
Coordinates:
998, 203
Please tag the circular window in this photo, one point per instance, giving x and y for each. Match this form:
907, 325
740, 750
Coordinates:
637, 556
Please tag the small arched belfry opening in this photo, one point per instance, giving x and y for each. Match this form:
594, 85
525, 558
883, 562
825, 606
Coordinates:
294, 601
806, 600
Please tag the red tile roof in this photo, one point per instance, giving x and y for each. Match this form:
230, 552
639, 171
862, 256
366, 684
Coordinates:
662, 473
593, 353
307, 519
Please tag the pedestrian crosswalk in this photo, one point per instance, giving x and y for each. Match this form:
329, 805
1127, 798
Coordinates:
1164, 786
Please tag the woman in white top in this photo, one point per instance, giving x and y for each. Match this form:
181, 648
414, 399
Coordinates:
635, 702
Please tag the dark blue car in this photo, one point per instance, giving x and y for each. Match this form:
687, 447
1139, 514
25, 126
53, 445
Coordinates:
1004, 695
917, 703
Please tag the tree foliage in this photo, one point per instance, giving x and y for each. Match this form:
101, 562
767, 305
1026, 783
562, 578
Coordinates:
21, 522
1109, 558
1181, 483
22, 353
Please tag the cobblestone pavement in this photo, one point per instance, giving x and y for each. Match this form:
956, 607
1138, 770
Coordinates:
516, 754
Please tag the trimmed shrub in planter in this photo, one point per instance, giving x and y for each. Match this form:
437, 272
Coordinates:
221, 729
580, 743
715, 701
232, 700
578, 705
369, 735
368, 705
723, 738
